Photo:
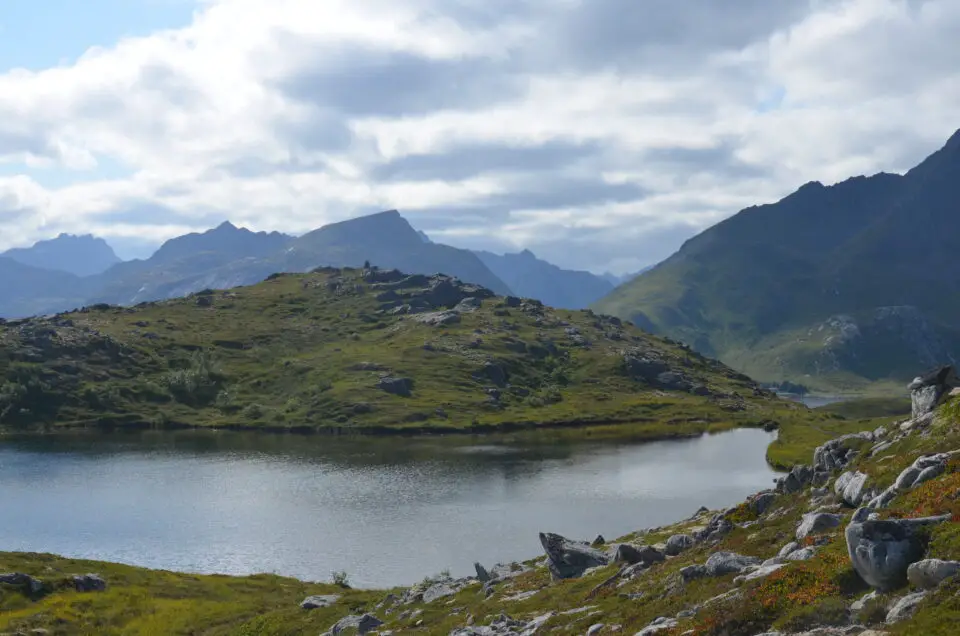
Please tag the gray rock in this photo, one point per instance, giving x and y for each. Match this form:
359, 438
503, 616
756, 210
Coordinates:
777, 560
928, 390
317, 602
396, 386
482, 575
595, 629
25, 581
882, 550
851, 488
905, 607
816, 522
627, 553
796, 480
787, 549
803, 554
679, 543
838, 452
861, 602
89, 583
930, 573
721, 563
361, 624
762, 502
570, 559
716, 528
923, 469
439, 318
505, 626
659, 625
691, 572
440, 590
761, 572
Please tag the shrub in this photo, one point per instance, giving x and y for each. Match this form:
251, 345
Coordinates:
198, 383
340, 578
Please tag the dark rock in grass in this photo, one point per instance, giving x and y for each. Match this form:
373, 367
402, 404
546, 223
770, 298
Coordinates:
796, 480
396, 386
678, 543
24, 581
721, 563
627, 553
568, 559
482, 575
89, 583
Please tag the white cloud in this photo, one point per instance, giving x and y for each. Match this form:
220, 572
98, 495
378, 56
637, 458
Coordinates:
614, 126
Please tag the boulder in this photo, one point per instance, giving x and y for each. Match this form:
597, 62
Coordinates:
905, 607
678, 543
838, 452
569, 559
851, 488
761, 572
922, 470
796, 480
89, 583
396, 386
692, 572
439, 318
503, 625
627, 553
721, 563
817, 522
717, 527
930, 573
317, 602
882, 550
661, 624
803, 554
359, 624
928, 390
762, 502
482, 575
25, 581
644, 368
790, 548
492, 372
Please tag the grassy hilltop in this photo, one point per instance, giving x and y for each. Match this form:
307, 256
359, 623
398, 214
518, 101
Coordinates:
362, 350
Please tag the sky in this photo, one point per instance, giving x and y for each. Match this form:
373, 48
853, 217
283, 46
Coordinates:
600, 134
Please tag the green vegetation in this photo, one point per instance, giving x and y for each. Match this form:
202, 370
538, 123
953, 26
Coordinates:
868, 408
310, 353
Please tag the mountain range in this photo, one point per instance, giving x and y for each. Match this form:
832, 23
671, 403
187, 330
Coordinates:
71, 271
833, 285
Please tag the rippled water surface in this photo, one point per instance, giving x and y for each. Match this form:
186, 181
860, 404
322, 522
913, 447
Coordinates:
387, 511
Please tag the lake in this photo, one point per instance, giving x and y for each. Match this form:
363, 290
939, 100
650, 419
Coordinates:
386, 511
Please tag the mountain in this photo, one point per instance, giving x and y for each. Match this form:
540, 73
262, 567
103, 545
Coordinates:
617, 280
838, 286
371, 350
78, 255
27, 290
530, 277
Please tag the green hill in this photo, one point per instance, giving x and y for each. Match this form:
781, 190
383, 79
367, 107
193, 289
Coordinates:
365, 350
836, 287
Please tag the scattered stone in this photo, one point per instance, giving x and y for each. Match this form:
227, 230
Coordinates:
923, 469
882, 550
850, 487
659, 625
905, 607
860, 603
570, 559
679, 543
716, 528
317, 602
837, 453
721, 563
627, 553
796, 480
89, 583
396, 386
930, 573
361, 624
817, 522
594, 629
789, 548
759, 573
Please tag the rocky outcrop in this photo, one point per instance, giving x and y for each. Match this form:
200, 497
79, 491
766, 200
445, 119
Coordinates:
396, 386
320, 601
817, 522
679, 543
24, 581
632, 554
882, 550
355, 624
796, 480
661, 624
503, 625
721, 563
851, 488
89, 583
570, 559
838, 452
905, 607
930, 573
928, 390
923, 469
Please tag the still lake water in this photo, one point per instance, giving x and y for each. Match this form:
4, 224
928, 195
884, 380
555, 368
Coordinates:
387, 511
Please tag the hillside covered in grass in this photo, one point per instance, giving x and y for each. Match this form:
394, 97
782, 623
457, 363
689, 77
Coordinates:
361, 350
862, 538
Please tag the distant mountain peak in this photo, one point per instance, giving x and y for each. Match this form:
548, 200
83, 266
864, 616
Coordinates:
954, 142
226, 226
81, 255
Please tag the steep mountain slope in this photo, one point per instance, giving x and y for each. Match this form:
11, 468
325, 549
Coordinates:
78, 255
846, 284
531, 277
371, 350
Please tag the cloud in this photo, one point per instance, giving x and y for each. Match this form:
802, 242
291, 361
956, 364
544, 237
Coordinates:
598, 133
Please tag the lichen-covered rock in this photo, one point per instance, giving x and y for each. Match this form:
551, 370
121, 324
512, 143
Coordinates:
882, 550
930, 573
721, 563
905, 607
679, 543
816, 522
570, 559
851, 488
